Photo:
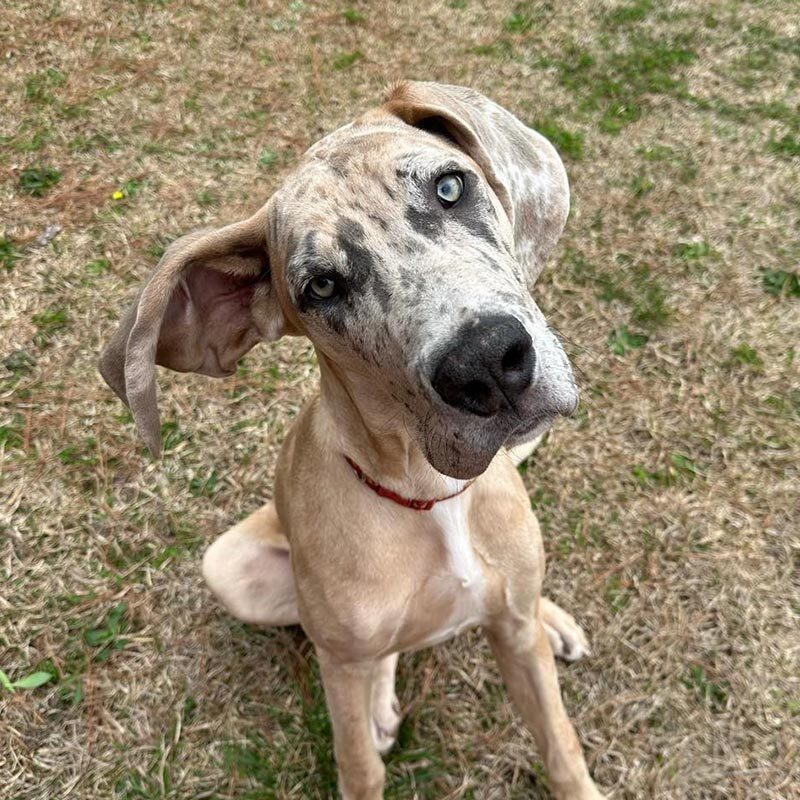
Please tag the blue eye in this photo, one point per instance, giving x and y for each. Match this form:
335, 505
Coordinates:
449, 189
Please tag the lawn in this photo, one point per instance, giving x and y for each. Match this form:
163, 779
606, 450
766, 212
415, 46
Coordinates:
670, 503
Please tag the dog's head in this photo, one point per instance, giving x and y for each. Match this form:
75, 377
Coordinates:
404, 246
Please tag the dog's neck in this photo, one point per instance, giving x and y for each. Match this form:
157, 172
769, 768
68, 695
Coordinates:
362, 421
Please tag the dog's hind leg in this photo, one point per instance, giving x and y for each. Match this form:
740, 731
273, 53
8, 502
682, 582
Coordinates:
249, 570
567, 638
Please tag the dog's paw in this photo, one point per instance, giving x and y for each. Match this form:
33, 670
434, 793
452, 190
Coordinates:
385, 722
567, 639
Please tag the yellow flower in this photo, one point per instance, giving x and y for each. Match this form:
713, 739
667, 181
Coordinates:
118, 195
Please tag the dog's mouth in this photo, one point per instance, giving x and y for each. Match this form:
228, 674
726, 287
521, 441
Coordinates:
465, 451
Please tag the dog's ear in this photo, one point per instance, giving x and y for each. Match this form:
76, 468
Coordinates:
209, 301
521, 166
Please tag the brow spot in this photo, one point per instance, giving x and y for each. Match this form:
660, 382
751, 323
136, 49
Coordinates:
425, 224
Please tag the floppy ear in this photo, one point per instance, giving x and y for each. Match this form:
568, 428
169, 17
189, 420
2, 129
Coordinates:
521, 166
207, 303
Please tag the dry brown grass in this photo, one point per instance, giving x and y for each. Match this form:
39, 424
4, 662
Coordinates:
670, 505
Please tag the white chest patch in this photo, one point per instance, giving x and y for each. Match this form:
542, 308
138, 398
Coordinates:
467, 581
451, 517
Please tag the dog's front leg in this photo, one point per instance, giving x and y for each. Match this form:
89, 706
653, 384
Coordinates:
526, 661
348, 690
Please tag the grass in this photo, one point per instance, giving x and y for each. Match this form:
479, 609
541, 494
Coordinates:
38, 180
668, 503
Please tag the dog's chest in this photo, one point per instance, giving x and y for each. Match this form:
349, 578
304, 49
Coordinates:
458, 580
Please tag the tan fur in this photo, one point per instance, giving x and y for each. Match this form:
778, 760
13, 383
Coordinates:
366, 577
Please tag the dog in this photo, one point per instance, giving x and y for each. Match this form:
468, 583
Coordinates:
405, 246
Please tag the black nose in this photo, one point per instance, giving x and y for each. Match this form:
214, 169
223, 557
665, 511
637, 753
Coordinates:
488, 368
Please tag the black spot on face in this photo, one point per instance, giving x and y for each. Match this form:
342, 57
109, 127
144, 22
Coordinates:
429, 225
477, 226
361, 260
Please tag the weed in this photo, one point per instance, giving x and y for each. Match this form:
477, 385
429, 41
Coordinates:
617, 594
128, 190
636, 11
346, 60
642, 185
352, 16
786, 147
621, 340
745, 354
39, 86
9, 255
206, 198
19, 363
268, 158
518, 23
38, 180
692, 251
100, 266
780, 282
500, 49
204, 486
108, 637
32, 681
714, 695
11, 433
48, 323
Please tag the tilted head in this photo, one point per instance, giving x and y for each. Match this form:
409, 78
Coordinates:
405, 246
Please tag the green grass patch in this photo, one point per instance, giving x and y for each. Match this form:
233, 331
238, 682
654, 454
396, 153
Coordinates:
353, 16
617, 81
617, 594
19, 363
568, 143
692, 251
780, 282
9, 255
746, 355
713, 694
37, 181
38, 87
518, 23
98, 267
500, 49
679, 468
11, 433
268, 158
49, 323
641, 185
347, 60
628, 13
786, 147
108, 636
622, 341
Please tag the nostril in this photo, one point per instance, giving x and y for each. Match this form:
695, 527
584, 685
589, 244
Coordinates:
513, 360
477, 394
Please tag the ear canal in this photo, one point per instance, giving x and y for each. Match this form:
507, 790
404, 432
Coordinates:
521, 166
208, 302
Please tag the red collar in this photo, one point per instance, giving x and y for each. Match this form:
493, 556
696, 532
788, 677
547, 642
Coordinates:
407, 502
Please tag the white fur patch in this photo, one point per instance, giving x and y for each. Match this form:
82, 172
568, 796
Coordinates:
469, 583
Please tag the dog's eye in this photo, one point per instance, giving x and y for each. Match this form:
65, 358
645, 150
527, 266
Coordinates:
321, 288
449, 189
